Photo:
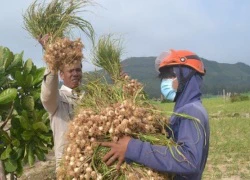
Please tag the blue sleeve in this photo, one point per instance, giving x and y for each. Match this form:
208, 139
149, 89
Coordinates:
160, 158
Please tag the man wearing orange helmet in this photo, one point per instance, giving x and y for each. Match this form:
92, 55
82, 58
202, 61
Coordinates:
181, 79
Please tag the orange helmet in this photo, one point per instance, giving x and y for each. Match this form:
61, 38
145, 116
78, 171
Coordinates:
180, 57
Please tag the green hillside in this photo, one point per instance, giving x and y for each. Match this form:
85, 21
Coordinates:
219, 76
232, 77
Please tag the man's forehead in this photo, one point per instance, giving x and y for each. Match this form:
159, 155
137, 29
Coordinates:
72, 66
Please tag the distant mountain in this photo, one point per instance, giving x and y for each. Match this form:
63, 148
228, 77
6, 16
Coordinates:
219, 76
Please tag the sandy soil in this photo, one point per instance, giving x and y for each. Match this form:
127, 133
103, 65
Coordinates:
41, 170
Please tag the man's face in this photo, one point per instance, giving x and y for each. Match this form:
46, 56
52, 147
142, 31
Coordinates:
72, 75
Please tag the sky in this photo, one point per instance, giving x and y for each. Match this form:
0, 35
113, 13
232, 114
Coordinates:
218, 30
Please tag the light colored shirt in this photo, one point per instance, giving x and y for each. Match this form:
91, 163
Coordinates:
60, 104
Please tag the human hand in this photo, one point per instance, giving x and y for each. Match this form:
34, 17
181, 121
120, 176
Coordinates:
43, 40
117, 151
124, 75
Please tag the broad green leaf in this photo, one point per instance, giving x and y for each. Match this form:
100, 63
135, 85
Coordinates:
28, 66
14, 112
4, 137
19, 78
10, 165
15, 142
28, 81
3, 81
7, 57
34, 69
13, 154
25, 114
2, 146
8, 95
20, 152
27, 135
39, 114
2, 70
40, 145
38, 77
40, 126
15, 123
45, 117
28, 103
19, 169
25, 123
40, 154
6, 153
36, 95
18, 58
1, 56
31, 156
44, 137
26, 150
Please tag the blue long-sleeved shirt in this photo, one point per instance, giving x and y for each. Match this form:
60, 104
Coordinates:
193, 141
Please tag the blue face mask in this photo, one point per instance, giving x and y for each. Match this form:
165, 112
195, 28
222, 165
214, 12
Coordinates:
167, 89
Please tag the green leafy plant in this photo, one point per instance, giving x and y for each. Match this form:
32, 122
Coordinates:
107, 55
56, 19
24, 125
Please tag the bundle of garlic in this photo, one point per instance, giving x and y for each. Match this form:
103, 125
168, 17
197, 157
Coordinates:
82, 156
63, 51
111, 112
131, 86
